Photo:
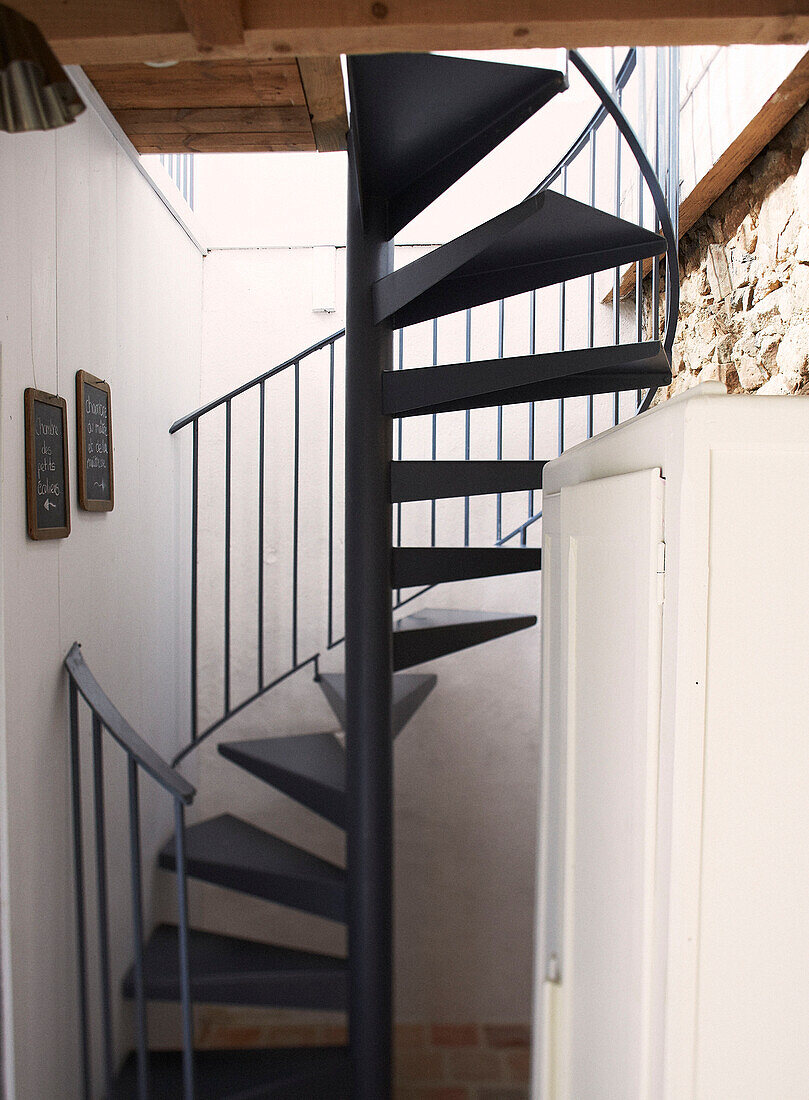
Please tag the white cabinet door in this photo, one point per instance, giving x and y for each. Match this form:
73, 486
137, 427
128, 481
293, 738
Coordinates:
596, 1041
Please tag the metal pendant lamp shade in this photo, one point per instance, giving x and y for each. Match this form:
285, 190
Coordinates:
35, 92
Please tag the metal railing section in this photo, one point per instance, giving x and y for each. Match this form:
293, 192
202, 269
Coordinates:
258, 387
579, 165
140, 757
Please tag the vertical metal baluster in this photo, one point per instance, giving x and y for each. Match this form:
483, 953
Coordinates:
296, 513
656, 298
532, 347
562, 313
639, 265
674, 156
659, 157
194, 576
501, 326
675, 140
330, 616
261, 434
78, 887
399, 452
434, 450
591, 290
185, 966
616, 289
467, 427
103, 904
228, 474
137, 930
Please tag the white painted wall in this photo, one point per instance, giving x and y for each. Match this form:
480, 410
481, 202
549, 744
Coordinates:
288, 199
95, 274
722, 89
298, 199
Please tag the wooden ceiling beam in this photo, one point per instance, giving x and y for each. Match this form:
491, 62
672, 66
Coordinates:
322, 82
214, 22
117, 31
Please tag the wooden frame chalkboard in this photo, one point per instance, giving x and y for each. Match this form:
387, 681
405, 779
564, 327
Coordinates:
94, 443
47, 475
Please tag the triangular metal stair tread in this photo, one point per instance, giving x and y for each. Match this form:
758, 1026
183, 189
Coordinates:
228, 970
316, 1073
426, 480
416, 565
546, 239
521, 378
421, 121
409, 692
309, 768
232, 853
433, 632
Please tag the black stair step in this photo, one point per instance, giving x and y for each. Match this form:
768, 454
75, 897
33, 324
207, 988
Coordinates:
310, 768
226, 970
433, 480
523, 378
433, 633
313, 1073
547, 238
415, 565
409, 692
421, 121
230, 852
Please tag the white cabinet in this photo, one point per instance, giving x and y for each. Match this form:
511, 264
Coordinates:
672, 957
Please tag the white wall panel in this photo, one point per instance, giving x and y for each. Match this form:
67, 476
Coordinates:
96, 275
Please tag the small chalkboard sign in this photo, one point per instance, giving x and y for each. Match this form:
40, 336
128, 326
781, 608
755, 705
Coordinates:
46, 469
94, 425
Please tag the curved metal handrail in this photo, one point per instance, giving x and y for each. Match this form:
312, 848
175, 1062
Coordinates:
133, 744
140, 757
184, 421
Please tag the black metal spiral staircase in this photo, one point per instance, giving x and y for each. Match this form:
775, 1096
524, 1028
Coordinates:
418, 123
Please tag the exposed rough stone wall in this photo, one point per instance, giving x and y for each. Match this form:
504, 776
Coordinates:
744, 270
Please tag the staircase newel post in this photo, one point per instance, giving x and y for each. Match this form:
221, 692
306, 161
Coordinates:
369, 655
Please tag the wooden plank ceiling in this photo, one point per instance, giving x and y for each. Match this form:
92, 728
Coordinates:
209, 103
227, 106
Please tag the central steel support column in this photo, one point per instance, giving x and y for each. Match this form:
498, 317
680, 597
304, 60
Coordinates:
369, 658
